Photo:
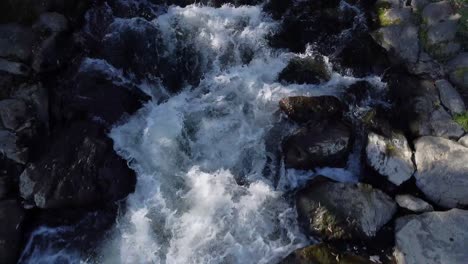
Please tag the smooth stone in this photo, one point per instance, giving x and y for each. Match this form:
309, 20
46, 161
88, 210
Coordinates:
437, 12
464, 140
450, 97
413, 204
443, 125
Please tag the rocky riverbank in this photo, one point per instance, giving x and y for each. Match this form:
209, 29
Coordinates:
71, 70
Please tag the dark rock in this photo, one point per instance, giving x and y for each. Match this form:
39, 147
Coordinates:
132, 45
303, 109
13, 113
311, 70
9, 146
11, 217
50, 23
80, 170
16, 42
13, 67
322, 254
98, 92
53, 53
341, 211
324, 143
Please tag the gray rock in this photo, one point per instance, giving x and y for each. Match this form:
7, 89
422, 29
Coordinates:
442, 125
13, 113
320, 143
464, 141
304, 108
390, 157
10, 148
418, 5
458, 70
50, 23
36, 96
401, 40
449, 97
15, 41
16, 68
437, 12
413, 204
442, 171
442, 32
11, 218
432, 238
343, 210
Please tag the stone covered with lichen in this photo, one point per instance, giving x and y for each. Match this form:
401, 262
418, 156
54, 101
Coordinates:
342, 211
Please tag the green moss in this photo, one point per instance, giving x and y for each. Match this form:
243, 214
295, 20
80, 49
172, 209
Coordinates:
390, 149
462, 120
328, 224
384, 19
461, 72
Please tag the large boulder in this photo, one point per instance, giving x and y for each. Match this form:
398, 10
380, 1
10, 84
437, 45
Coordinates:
88, 94
319, 143
442, 173
337, 211
322, 254
11, 218
303, 108
80, 170
432, 238
390, 157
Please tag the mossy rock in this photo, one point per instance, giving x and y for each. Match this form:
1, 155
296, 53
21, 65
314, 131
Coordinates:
308, 70
322, 254
462, 120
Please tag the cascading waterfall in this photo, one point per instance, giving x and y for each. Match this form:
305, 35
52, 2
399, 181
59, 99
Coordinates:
203, 194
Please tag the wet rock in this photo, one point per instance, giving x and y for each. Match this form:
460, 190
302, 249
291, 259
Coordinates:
442, 173
132, 45
434, 237
321, 143
303, 108
458, 70
311, 70
16, 42
13, 113
449, 97
322, 254
11, 217
413, 204
88, 94
12, 67
343, 210
390, 157
80, 170
10, 148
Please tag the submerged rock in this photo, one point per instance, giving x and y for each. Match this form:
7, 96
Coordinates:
413, 204
303, 108
308, 70
11, 218
320, 143
322, 254
432, 238
442, 173
390, 157
80, 170
343, 210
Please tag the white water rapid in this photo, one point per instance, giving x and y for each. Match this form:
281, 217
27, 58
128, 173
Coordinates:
203, 194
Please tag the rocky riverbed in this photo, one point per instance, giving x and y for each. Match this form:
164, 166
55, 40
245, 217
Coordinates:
146, 131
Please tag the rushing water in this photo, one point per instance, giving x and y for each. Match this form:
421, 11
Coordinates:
203, 194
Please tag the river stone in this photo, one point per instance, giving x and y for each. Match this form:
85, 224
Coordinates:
390, 157
449, 97
413, 204
11, 218
458, 70
303, 108
442, 32
322, 254
310, 70
442, 125
464, 140
10, 148
15, 41
79, 170
319, 143
432, 238
13, 113
402, 40
442, 173
343, 210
